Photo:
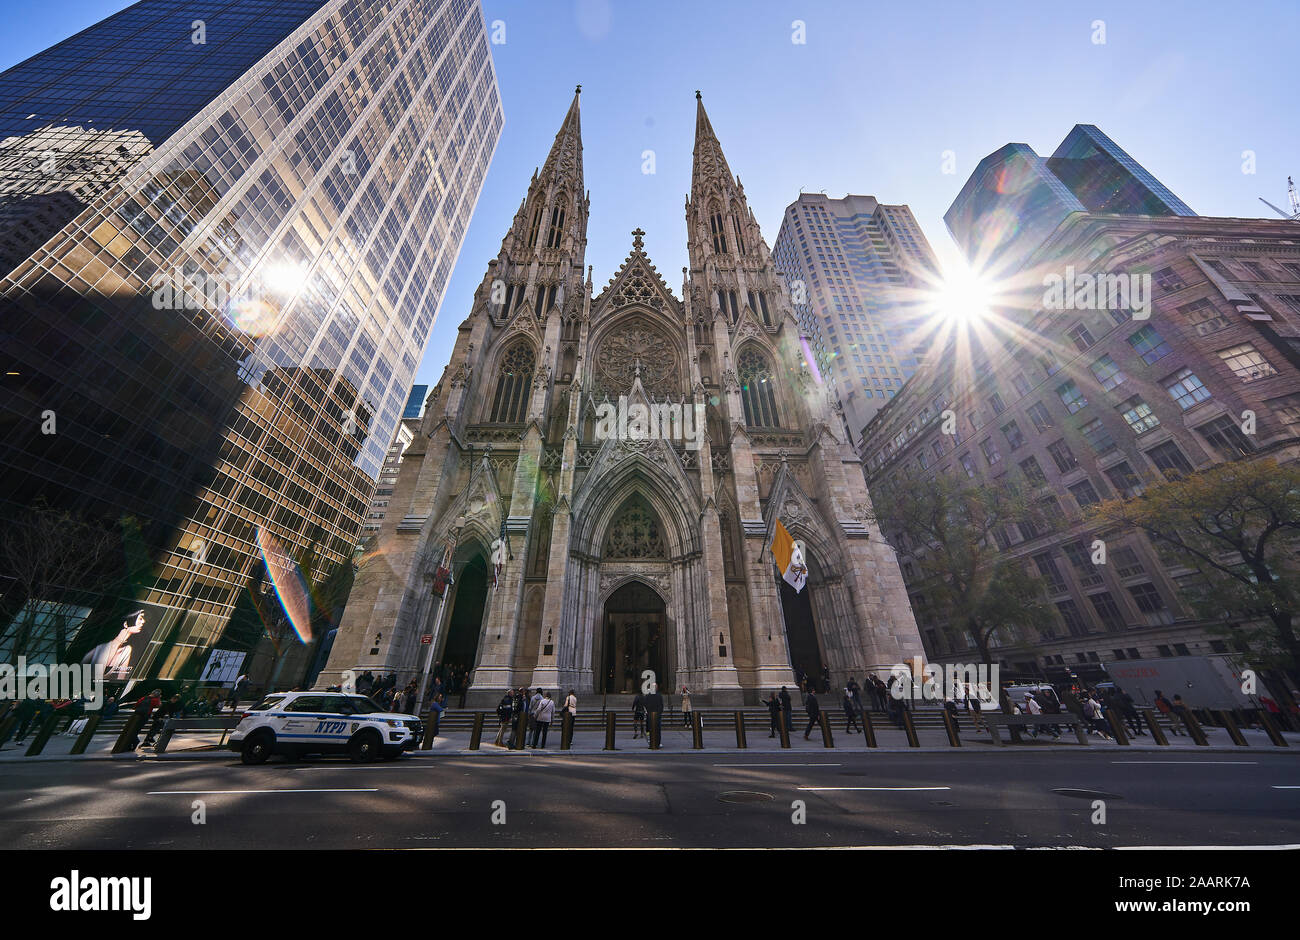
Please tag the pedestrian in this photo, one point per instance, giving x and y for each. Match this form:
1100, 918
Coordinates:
166, 710
519, 718
855, 692
1127, 710
1092, 710
880, 694
786, 709
533, 702
638, 717
974, 708
144, 707
1182, 711
773, 713
503, 717
545, 711
1166, 708
814, 710
686, 707
950, 706
436, 708
654, 708
850, 714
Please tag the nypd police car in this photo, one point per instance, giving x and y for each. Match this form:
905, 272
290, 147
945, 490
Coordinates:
299, 723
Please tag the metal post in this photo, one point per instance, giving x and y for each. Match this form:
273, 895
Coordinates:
566, 730
785, 731
43, 735
83, 739
1194, 728
868, 729
825, 722
476, 734
1230, 725
654, 721
610, 720
954, 740
129, 733
909, 728
740, 729
1157, 732
1117, 726
697, 732
1270, 728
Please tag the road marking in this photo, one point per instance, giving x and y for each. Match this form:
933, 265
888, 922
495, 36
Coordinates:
778, 765
1286, 788
1221, 762
873, 788
281, 790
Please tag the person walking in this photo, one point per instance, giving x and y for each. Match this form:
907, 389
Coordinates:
545, 712
638, 717
974, 708
850, 714
774, 713
503, 716
686, 707
166, 710
1127, 710
654, 707
1166, 708
814, 710
786, 710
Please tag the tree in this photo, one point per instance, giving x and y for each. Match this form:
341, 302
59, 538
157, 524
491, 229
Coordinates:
951, 528
56, 562
1237, 524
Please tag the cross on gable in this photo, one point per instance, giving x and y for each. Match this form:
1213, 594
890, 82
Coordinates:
637, 236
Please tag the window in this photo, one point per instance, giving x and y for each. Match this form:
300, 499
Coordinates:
1186, 389
1052, 512
1021, 384
718, 231
556, 233
1126, 562
1011, 431
1063, 456
996, 404
1139, 415
1203, 317
1098, 438
1246, 362
1084, 493
1032, 471
1071, 397
1107, 373
1081, 562
757, 393
1166, 280
1107, 611
1147, 598
1051, 365
1227, 438
990, 451
1147, 343
967, 464
1127, 483
535, 228
1046, 565
1169, 460
1074, 621
1081, 338
1040, 416
510, 404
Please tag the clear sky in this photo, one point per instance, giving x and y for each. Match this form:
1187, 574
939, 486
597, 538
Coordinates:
868, 104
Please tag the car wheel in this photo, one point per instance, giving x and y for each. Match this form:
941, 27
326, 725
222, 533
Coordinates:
365, 746
257, 747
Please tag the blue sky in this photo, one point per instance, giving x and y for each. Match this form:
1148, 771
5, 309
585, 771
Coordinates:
868, 104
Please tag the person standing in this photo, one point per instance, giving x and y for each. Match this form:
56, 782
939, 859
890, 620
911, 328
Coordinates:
786, 710
638, 717
654, 707
519, 718
850, 714
571, 709
533, 702
686, 707
545, 711
436, 708
503, 716
814, 709
774, 712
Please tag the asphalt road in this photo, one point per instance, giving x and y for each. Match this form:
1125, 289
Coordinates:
657, 800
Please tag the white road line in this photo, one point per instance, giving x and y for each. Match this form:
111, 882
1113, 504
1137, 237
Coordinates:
1217, 762
281, 790
778, 765
1285, 788
873, 788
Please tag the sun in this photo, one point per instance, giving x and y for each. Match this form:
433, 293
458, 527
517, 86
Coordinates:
963, 298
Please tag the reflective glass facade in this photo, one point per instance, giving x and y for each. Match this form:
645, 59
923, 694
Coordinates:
224, 295
1107, 179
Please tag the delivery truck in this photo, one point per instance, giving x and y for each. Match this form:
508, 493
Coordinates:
1203, 681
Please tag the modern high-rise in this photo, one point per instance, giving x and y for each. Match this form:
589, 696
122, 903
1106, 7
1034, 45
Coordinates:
854, 266
1015, 199
227, 227
415, 401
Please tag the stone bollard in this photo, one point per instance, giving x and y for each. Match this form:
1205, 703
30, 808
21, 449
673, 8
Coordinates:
476, 735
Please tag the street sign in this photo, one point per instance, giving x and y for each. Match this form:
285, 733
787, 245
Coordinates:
426, 639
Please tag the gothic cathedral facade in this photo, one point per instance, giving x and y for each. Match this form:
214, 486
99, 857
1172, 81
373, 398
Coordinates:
622, 553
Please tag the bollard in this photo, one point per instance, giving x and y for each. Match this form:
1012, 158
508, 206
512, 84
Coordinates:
868, 729
1270, 728
784, 729
88, 732
1157, 732
1117, 726
610, 720
1194, 729
7, 728
520, 737
740, 730
1230, 725
476, 734
566, 730
126, 740
43, 735
697, 732
950, 725
826, 729
655, 727
909, 727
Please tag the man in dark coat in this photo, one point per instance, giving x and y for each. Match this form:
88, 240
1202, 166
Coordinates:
784, 697
814, 709
654, 706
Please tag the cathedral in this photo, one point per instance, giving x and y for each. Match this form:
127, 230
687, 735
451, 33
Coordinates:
585, 552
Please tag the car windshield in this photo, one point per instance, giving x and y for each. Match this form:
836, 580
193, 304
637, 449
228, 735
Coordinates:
355, 704
269, 702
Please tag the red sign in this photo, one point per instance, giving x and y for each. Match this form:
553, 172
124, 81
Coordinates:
426, 639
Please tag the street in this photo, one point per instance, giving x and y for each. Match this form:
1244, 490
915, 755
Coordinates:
659, 800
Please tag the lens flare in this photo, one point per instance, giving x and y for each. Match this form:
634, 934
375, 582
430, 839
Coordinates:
290, 586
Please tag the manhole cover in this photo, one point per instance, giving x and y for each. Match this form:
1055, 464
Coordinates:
744, 796
1086, 794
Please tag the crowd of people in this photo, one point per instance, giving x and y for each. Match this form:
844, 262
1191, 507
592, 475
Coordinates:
524, 717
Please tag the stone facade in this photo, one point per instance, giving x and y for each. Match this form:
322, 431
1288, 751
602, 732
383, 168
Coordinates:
620, 554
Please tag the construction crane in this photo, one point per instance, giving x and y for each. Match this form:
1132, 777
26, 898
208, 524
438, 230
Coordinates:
1293, 196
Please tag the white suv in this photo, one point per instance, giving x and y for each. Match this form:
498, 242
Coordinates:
298, 723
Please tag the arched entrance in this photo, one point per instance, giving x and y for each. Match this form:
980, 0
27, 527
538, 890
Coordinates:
801, 631
466, 618
635, 634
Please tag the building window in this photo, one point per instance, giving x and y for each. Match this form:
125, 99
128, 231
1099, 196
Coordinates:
1147, 598
1246, 362
1032, 471
1040, 416
1127, 483
1169, 460
1107, 612
1063, 456
1046, 565
1052, 511
1071, 397
990, 451
740, 240
1226, 437
1166, 280
757, 392
1139, 415
967, 464
1098, 438
1107, 373
1186, 389
556, 234
1147, 343
718, 231
1084, 493
1074, 621
1081, 562
1204, 317
1011, 431
535, 228
510, 404
1081, 338
1126, 562
997, 404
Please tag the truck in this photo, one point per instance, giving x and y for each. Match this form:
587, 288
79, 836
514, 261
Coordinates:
1203, 681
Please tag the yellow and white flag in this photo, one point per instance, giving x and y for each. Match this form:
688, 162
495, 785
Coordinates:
789, 558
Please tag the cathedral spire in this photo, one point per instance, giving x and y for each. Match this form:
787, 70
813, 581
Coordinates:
709, 164
565, 159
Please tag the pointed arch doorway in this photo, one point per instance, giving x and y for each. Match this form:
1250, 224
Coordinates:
806, 655
635, 638
465, 620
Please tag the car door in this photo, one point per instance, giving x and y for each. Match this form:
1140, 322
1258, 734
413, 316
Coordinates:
304, 721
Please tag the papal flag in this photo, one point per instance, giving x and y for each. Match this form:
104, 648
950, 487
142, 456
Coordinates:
789, 558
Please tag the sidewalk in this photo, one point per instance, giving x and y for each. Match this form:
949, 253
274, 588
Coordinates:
717, 742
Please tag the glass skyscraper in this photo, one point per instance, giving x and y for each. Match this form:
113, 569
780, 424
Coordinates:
1107, 179
226, 228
